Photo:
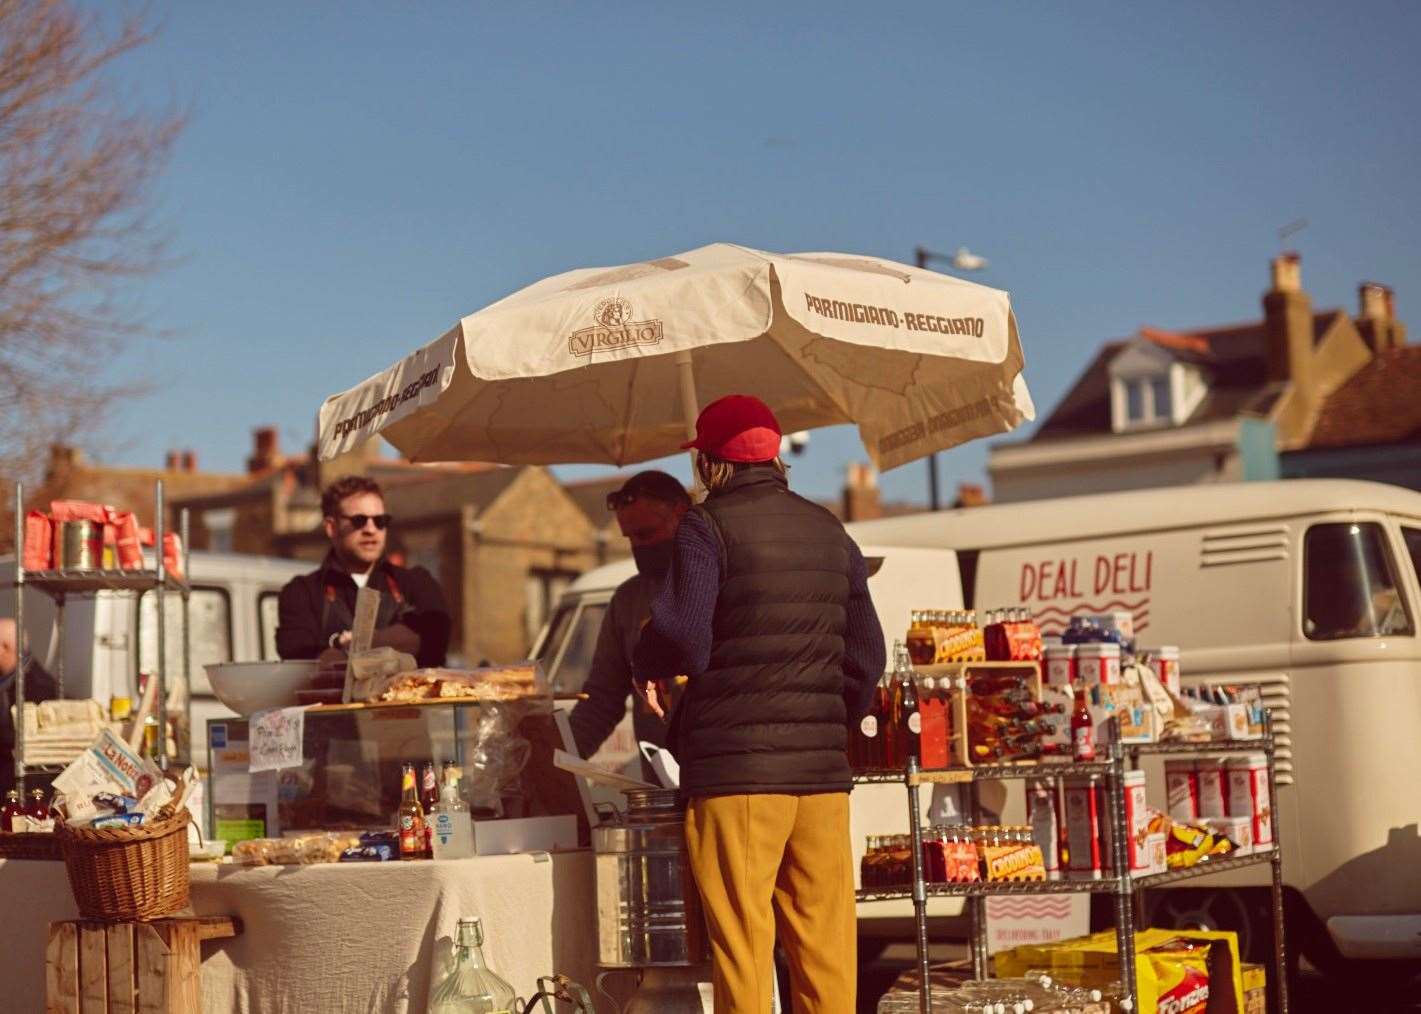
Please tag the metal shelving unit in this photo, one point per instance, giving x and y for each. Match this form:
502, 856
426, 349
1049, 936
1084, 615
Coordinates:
1120, 882
60, 585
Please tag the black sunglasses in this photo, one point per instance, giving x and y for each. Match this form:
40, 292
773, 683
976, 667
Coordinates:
621, 498
358, 521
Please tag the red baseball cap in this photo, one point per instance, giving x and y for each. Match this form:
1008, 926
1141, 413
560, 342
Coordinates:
738, 427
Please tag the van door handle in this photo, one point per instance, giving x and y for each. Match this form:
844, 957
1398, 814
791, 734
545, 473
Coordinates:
114, 642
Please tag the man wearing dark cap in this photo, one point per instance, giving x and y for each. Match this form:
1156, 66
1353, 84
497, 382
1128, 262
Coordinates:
648, 507
766, 609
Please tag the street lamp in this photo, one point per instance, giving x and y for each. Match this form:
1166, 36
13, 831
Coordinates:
962, 260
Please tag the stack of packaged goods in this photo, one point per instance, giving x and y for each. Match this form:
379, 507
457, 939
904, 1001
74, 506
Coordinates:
1175, 970
76, 535
1035, 991
939, 636
936, 637
954, 855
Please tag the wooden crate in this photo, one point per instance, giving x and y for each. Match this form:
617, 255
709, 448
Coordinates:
129, 967
957, 672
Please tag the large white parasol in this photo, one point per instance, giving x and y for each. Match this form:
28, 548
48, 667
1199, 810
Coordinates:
611, 365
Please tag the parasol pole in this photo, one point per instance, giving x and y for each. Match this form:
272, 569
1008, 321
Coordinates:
686, 374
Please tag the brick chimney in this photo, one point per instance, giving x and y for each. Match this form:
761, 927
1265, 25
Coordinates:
63, 459
189, 461
862, 501
171, 461
969, 494
266, 455
1287, 322
1376, 318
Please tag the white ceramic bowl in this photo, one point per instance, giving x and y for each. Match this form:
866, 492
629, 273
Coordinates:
246, 687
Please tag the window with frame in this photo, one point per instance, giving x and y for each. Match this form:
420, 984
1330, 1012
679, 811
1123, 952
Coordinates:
1350, 584
210, 634
268, 613
1144, 401
1412, 538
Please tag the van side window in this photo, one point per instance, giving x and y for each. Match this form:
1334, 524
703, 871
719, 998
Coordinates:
1413, 549
580, 636
1350, 586
267, 605
210, 614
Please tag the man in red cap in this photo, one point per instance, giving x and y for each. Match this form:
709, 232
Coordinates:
766, 610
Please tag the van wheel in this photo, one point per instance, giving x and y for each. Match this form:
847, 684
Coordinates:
1246, 911
1242, 911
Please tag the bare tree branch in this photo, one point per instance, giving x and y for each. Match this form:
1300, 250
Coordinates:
76, 169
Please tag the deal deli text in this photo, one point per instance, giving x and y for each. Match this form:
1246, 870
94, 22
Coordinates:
1116, 574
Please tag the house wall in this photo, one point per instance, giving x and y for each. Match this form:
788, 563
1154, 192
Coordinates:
1112, 475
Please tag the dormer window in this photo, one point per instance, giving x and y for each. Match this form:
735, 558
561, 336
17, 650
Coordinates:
1148, 400
1151, 388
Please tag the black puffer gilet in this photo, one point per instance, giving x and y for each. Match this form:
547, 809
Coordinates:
768, 715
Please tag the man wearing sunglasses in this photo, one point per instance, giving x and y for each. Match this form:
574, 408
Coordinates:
648, 509
317, 610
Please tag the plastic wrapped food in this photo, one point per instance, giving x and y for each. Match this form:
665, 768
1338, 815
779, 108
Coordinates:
300, 850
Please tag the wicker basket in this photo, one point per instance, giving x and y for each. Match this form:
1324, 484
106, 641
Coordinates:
129, 873
29, 845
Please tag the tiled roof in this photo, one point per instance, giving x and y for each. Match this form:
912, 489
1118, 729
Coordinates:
1380, 404
1234, 355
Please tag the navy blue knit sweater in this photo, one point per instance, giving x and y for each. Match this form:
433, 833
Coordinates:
677, 641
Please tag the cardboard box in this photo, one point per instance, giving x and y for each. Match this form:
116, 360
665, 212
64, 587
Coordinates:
1255, 989
1138, 723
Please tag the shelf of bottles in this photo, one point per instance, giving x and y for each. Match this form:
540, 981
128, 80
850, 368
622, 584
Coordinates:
930, 722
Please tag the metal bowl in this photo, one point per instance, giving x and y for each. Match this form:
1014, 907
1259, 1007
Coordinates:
247, 687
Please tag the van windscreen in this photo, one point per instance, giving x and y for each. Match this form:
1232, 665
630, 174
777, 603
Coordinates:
1351, 587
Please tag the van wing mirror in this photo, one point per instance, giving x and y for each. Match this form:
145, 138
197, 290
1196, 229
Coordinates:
875, 564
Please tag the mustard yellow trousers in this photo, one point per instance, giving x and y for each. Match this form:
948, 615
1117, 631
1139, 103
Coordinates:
769, 865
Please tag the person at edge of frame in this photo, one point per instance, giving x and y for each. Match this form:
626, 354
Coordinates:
766, 611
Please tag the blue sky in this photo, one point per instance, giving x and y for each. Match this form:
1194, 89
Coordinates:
356, 176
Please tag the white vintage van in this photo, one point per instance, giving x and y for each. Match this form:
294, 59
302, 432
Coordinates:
1308, 587
110, 637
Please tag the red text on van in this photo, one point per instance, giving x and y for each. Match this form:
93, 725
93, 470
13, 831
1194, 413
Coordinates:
1115, 574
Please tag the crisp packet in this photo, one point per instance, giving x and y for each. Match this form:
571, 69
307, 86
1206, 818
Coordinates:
108, 765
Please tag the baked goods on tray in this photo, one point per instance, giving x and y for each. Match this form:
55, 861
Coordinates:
492, 683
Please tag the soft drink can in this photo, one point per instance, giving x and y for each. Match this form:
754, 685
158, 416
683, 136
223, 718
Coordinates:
1165, 662
1046, 826
1248, 795
1181, 781
1098, 664
1213, 787
1083, 819
1061, 665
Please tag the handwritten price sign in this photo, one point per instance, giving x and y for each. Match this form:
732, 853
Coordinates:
275, 739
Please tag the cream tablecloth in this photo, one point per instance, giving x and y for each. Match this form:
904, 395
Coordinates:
345, 937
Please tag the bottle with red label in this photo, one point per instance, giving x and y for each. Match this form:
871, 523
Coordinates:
429, 799
884, 753
1082, 728
13, 808
414, 842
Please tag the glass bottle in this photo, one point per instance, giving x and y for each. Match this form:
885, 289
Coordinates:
471, 987
414, 842
451, 827
909, 720
13, 808
1082, 729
